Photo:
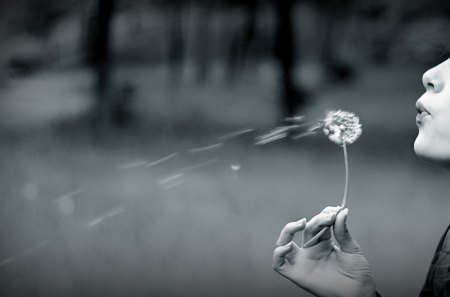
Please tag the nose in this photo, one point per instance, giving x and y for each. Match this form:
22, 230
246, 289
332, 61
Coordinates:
432, 80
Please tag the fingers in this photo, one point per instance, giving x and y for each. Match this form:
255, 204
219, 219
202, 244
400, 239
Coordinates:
331, 209
316, 238
324, 219
288, 232
280, 253
343, 237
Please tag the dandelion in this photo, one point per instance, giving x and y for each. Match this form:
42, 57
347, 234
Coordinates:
342, 128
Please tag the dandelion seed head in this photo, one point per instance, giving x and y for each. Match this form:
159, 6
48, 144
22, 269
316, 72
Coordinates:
342, 127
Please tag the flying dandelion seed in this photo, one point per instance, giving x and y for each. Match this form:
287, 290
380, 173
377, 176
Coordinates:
315, 127
275, 134
234, 134
304, 134
206, 148
164, 159
94, 222
285, 128
143, 163
301, 130
235, 167
170, 178
265, 139
171, 181
34, 248
295, 119
173, 184
111, 213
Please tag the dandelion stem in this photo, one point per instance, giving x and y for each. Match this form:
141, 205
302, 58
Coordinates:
344, 198
313, 240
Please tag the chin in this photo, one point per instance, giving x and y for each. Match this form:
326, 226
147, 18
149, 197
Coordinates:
420, 147
430, 153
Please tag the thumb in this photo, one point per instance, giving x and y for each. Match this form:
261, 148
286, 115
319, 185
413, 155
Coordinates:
343, 237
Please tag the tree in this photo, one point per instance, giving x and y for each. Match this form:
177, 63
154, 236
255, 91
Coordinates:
292, 97
98, 56
176, 47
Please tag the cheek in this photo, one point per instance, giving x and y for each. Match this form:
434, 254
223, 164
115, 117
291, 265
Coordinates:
441, 131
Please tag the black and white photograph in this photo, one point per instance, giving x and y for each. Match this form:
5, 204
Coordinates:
224, 148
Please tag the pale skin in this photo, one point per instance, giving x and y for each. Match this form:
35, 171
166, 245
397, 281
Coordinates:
335, 265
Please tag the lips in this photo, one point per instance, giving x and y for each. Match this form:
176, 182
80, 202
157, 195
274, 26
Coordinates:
422, 112
421, 117
420, 107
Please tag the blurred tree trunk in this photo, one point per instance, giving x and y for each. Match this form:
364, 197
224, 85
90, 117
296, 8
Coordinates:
202, 42
333, 15
176, 43
98, 56
3, 36
291, 97
241, 42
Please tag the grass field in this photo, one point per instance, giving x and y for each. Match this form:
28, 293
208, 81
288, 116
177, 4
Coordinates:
86, 218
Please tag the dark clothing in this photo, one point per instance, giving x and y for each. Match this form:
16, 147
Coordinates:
437, 283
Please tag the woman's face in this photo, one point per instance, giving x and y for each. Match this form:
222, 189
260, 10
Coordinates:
433, 119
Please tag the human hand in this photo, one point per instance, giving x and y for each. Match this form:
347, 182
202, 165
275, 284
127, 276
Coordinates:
324, 268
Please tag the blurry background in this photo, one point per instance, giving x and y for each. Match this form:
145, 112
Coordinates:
128, 132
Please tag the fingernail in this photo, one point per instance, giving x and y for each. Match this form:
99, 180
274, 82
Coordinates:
345, 214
